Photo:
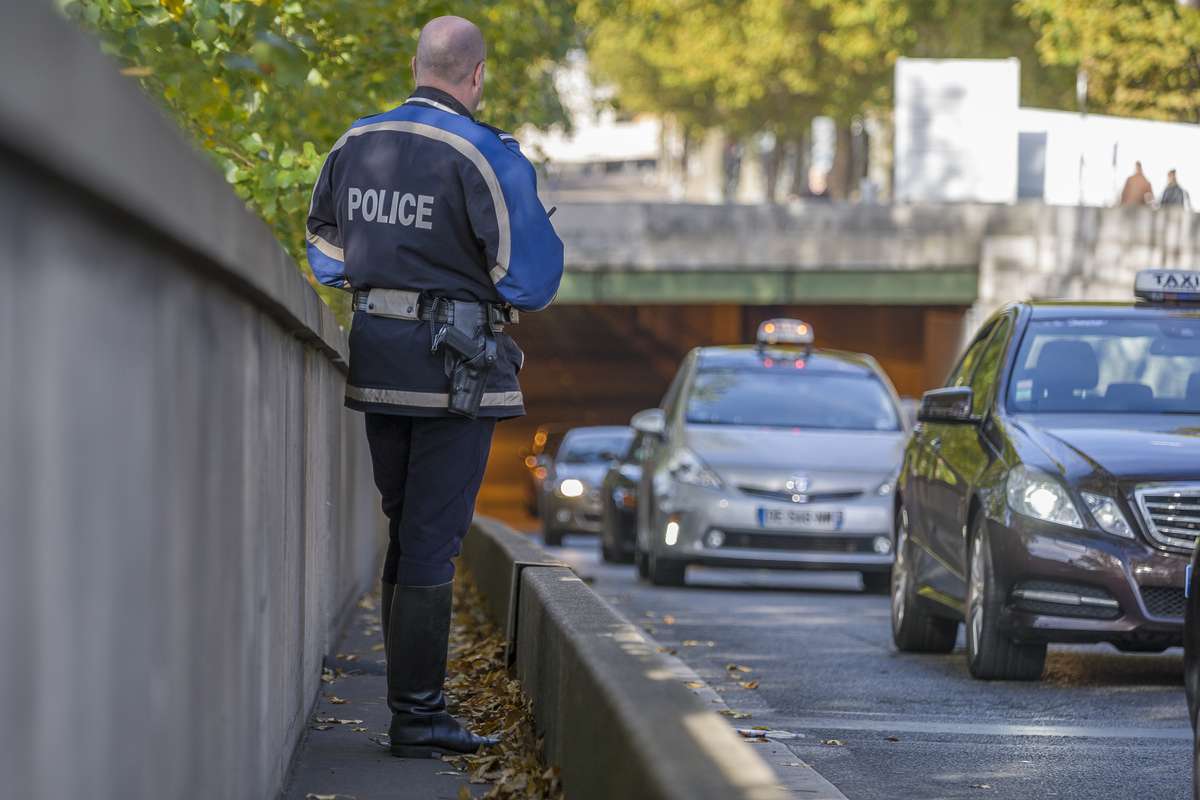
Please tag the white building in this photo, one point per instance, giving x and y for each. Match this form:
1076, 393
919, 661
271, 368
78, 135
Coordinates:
961, 135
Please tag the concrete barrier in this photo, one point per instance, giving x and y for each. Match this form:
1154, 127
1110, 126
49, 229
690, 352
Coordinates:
185, 507
616, 720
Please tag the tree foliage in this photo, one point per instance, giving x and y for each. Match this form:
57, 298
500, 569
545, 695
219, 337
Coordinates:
1142, 58
745, 65
268, 85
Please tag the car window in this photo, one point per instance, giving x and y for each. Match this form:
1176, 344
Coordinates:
961, 374
1144, 365
639, 449
671, 398
791, 398
987, 368
593, 448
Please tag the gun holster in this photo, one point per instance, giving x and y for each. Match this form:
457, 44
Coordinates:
464, 331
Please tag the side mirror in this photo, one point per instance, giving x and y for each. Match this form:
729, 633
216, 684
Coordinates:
652, 422
951, 404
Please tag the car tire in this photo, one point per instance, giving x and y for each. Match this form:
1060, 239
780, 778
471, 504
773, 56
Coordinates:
877, 582
991, 654
642, 562
552, 537
914, 629
607, 553
665, 571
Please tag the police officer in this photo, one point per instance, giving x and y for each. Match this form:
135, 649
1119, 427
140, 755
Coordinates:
432, 219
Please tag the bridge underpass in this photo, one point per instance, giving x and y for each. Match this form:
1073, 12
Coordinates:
599, 364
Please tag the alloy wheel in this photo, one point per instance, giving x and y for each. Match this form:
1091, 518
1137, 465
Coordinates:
900, 576
976, 595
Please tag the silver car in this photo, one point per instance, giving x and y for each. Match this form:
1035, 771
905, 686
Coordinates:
570, 493
776, 455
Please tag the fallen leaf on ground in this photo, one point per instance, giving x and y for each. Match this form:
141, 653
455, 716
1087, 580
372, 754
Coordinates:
737, 668
668, 650
335, 700
377, 647
321, 727
359, 730
695, 684
668, 619
748, 684
751, 733
698, 643
833, 742
729, 712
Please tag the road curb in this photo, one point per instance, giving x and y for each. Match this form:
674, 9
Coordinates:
616, 719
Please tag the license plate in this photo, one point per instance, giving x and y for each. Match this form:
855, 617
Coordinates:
799, 519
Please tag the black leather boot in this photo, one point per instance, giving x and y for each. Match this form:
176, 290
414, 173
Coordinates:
387, 590
417, 637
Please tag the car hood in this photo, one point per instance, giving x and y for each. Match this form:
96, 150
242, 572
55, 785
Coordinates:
590, 474
1149, 447
765, 457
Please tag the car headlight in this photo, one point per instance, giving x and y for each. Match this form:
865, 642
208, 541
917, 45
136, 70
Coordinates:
571, 487
888, 486
686, 467
1107, 515
1038, 495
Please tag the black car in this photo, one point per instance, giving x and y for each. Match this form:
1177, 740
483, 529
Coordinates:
618, 493
1191, 661
1051, 491
570, 500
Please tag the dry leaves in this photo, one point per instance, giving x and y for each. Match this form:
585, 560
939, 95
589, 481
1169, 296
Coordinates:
833, 742
748, 684
483, 694
729, 712
333, 699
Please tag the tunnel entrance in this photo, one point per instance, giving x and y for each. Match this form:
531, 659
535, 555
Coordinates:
599, 364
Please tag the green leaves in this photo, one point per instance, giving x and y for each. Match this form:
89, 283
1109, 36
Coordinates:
267, 86
1142, 58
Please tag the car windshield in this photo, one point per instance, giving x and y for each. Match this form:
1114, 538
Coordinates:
594, 448
791, 399
1122, 365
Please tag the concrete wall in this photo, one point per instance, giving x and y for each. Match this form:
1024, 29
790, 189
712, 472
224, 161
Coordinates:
186, 510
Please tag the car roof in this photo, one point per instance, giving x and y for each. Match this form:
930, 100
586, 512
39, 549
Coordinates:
599, 430
748, 356
1067, 309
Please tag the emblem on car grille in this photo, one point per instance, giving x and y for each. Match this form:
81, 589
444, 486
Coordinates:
798, 485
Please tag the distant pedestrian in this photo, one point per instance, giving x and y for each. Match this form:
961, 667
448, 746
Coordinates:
1137, 191
1174, 194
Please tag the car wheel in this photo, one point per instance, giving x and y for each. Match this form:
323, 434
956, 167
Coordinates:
877, 582
1195, 760
991, 655
666, 572
642, 562
606, 552
914, 629
552, 537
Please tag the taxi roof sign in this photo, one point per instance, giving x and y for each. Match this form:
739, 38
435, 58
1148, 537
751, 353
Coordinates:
1167, 286
785, 331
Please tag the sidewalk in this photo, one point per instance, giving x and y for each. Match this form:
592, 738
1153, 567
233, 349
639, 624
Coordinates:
344, 754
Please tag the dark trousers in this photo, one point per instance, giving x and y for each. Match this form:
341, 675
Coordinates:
428, 470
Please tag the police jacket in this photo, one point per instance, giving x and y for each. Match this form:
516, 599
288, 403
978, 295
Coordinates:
424, 198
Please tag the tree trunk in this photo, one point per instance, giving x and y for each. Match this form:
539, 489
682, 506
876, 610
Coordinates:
842, 171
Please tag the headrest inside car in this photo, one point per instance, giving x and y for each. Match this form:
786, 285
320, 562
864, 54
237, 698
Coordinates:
1066, 365
1128, 395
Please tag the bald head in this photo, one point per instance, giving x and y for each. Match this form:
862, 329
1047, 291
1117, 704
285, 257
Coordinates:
450, 55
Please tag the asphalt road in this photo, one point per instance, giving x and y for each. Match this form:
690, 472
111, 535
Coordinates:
880, 724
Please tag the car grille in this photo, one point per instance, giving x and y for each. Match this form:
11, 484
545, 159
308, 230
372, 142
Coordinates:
1164, 601
810, 544
813, 497
1171, 514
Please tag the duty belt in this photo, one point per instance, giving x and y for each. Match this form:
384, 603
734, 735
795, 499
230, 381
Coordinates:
404, 304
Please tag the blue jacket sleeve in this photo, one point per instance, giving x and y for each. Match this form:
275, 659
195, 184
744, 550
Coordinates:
325, 255
525, 254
